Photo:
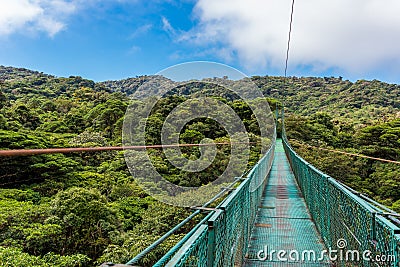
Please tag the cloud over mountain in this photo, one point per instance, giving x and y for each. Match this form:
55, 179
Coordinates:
30, 16
352, 36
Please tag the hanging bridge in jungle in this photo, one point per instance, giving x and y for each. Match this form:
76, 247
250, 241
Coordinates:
299, 216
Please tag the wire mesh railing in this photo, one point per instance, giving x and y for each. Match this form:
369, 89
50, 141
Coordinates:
221, 239
358, 232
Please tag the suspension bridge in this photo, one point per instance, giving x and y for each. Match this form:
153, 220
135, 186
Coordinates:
284, 212
298, 216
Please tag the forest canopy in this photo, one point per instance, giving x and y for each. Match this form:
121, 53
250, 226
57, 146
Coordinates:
83, 209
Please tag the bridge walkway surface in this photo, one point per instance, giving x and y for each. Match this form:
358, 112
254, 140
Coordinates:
283, 222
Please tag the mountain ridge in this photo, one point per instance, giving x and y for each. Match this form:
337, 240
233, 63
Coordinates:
300, 95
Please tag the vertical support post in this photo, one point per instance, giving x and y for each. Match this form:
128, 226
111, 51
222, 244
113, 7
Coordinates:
373, 230
277, 120
211, 244
373, 241
283, 132
327, 234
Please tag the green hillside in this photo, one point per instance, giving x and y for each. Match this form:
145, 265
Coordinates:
82, 209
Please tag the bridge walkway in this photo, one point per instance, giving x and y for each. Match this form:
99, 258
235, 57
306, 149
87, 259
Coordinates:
283, 221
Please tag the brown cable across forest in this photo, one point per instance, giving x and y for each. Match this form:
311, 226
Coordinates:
350, 154
30, 152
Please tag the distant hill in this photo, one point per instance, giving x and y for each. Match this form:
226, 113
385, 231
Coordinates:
127, 86
13, 74
359, 101
345, 99
19, 83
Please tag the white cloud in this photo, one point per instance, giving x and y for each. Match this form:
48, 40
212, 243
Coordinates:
167, 27
141, 31
34, 16
354, 36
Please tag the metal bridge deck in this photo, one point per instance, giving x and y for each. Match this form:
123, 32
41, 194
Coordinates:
283, 222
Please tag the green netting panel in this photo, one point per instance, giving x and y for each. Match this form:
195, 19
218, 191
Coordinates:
341, 215
194, 252
351, 220
240, 210
319, 187
386, 243
223, 239
231, 228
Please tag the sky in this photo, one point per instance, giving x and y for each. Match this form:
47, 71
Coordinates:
116, 39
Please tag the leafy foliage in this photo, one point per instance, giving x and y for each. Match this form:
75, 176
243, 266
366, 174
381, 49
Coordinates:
377, 179
82, 209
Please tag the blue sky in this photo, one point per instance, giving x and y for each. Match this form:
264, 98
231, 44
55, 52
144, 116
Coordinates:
115, 39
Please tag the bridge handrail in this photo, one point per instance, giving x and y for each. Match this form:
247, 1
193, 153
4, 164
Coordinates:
221, 238
339, 213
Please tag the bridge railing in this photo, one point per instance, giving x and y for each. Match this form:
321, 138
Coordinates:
221, 239
347, 221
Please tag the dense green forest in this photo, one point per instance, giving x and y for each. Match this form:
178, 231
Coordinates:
82, 209
360, 118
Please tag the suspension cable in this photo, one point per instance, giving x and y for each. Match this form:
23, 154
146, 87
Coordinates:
289, 38
350, 154
29, 152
